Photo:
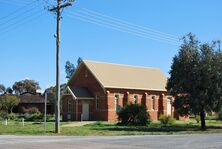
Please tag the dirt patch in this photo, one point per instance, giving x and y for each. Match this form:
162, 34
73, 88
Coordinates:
78, 124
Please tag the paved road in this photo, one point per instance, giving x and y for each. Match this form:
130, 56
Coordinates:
213, 141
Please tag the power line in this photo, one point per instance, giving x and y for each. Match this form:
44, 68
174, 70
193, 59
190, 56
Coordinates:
87, 14
20, 3
21, 16
133, 28
15, 12
48, 3
21, 21
20, 24
17, 16
121, 28
91, 12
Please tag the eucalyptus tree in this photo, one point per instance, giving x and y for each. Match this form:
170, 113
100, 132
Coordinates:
2, 89
26, 86
196, 78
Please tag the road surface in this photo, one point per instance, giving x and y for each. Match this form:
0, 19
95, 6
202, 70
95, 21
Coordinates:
197, 141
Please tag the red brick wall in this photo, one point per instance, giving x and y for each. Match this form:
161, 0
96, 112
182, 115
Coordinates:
73, 111
86, 79
106, 107
144, 97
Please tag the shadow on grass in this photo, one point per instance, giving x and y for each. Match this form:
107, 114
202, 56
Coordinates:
153, 128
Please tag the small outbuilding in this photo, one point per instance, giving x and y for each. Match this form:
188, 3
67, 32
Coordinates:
33, 100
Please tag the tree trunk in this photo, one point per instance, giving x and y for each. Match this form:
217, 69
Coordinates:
11, 109
202, 119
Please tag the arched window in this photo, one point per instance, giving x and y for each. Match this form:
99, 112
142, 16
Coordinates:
97, 101
69, 106
116, 103
169, 106
153, 102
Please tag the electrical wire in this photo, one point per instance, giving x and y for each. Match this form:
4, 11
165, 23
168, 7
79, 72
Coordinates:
13, 23
119, 27
115, 27
84, 10
132, 27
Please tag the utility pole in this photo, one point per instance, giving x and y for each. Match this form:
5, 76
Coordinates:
61, 4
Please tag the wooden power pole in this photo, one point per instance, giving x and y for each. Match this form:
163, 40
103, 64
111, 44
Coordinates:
61, 4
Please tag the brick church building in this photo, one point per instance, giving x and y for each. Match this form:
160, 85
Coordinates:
98, 90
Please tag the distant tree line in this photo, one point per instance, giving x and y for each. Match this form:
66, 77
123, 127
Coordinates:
31, 86
20, 87
9, 95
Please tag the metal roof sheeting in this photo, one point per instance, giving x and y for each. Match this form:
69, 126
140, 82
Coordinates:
127, 77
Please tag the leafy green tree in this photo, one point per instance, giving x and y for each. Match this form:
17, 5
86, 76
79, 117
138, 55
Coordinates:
2, 89
25, 86
52, 91
70, 68
8, 102
196, 78
9, 90
79, 60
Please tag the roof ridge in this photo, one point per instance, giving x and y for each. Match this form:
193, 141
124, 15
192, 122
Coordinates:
121, 64
146, 78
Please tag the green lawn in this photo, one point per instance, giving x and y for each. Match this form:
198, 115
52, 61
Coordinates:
30, 128
110, 129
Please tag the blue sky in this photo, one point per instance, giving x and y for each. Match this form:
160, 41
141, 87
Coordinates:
28, 45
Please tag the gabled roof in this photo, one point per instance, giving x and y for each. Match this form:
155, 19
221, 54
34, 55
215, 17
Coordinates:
127, 77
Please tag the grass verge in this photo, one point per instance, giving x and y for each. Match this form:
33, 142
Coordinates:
111, 129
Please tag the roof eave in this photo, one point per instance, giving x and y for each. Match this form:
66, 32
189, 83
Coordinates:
133, 88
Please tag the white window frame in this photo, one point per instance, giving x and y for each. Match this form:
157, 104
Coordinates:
169, 101
169, 98
135, 99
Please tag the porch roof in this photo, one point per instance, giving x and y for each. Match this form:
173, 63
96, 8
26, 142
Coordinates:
81, 93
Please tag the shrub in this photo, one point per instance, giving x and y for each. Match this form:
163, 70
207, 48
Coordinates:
3, 115
33, 110
134, 114
219, 115
98, 123
12, 116
166, 120
35, 117
50, 117
197, 118
8, 102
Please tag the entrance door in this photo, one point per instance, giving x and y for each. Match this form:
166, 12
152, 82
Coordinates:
169, 107
85, 111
